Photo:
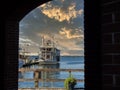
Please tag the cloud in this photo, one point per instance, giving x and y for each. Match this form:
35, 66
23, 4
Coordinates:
60, 13
70, 34
62, 0
72, 53
28, 45
69, 45
63, 43
25, 41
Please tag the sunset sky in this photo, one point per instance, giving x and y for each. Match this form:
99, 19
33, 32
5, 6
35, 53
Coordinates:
63, 19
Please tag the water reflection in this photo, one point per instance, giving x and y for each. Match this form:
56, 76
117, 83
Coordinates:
65, 63
42, 75
49, 74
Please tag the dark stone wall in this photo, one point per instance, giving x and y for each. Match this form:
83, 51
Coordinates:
111, 44
12, 14
92, 33
11, 55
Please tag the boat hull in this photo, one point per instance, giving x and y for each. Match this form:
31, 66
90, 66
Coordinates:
47, 62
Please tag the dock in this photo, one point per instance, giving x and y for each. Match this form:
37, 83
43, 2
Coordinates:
49, 80
50, 70
44, 78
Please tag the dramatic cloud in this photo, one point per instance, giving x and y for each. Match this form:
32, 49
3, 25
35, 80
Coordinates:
26, 41
64, 39
59, 13
70, 33
28, 45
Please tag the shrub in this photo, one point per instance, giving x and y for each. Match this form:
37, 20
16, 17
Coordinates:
70, 82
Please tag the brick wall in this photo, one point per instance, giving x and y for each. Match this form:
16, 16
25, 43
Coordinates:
11, 15
111, 44
11, 56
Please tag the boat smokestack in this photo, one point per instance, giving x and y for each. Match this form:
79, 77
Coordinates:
42, 40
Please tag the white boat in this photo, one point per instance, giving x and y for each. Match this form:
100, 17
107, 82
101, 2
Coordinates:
49, 54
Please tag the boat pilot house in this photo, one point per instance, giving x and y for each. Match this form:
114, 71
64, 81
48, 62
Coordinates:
49, 54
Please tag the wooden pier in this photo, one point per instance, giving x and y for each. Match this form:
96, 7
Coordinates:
51, 70
49, 80
36, 78
36, 72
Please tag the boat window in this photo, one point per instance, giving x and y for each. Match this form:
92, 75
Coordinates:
48, 57
48, 49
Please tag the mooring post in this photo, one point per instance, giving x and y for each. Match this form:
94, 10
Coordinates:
70, 74
36, 77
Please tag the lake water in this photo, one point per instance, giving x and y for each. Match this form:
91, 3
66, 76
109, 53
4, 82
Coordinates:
66, 62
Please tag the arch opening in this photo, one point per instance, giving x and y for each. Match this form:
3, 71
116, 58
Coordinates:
60, 24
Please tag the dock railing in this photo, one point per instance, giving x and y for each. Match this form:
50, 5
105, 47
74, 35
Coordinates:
36, 78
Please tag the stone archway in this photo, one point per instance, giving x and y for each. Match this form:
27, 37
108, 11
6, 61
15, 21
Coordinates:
11, 38
16, 10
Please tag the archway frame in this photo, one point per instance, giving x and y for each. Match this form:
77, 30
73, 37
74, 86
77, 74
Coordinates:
15, 11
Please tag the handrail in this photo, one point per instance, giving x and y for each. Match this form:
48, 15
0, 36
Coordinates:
49, 80
52, 70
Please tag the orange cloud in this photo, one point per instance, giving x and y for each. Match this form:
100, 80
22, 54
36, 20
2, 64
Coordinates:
59, 14
68, 33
